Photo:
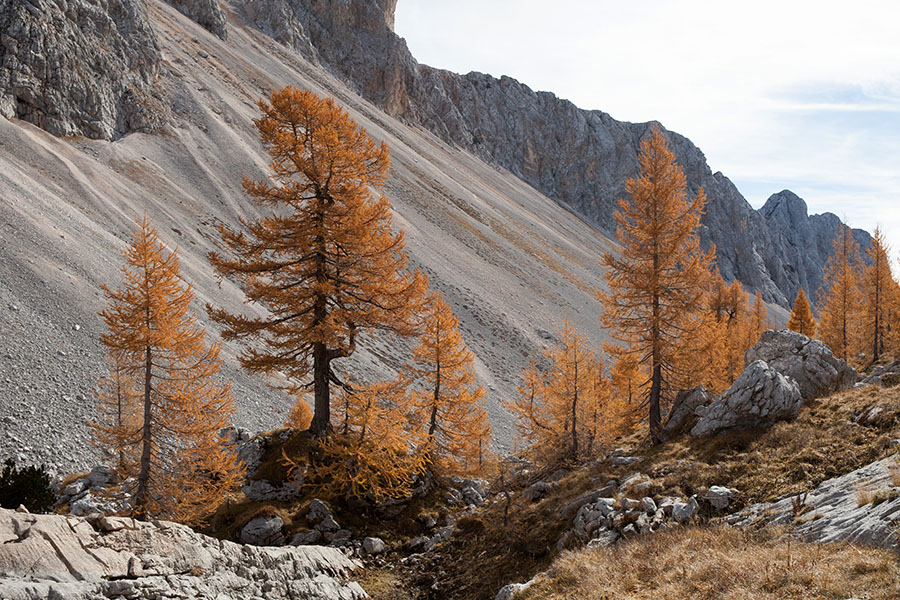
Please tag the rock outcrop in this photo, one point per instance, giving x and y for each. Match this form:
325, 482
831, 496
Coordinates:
80, 67
808, 362
684, 409
579, 157
862, 507
206, 13
54, 556
759, 397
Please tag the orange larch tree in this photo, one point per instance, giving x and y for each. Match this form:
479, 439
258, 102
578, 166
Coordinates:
840, 297
380, 450
801, 319
300, 416
118, 426
878, 286
563, 412
627, 380
759, 319
325, 262
448, 398
726, 334
657, 286
184, 469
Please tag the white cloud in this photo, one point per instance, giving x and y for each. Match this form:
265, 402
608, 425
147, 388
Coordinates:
789, 94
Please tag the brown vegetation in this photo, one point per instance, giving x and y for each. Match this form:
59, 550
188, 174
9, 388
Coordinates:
720, 563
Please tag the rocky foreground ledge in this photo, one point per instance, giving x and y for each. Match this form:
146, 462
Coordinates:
56, 556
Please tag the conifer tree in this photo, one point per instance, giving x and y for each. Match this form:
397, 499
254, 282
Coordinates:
878, 286
301, 415
657, 286
381, 449
118, 428
727, 335
759, 319
448, 399
840, 296
325, 262
184, 469
801, 319
627, 381
564, 411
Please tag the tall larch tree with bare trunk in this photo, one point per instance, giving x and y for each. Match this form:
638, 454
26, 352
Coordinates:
878, 293
658, 283
117, 429
325, 262
183, 470
448, 398
840, 297
759, 319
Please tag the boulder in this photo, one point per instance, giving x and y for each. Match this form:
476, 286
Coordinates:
57, 556
649, 505
537, 491
809, 362
569, 510
373, 545
683, 511
683, 414
263, 531
759, 397
719, 496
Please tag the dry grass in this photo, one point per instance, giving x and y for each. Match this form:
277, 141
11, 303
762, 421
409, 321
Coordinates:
827, 439
719, 563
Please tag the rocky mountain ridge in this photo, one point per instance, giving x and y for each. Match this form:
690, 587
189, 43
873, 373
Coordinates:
581, 158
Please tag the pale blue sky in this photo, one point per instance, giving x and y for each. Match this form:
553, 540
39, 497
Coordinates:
777, 93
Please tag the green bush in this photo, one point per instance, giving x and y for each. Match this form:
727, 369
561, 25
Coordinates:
28, 486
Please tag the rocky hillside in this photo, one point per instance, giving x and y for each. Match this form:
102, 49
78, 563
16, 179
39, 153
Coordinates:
509, 260
578, 157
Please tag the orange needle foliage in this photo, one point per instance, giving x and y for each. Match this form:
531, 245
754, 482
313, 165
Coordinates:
840, 296
759, 319
879, 294
657, 286
324, 262
184, 469
801, 319
565, 412
301, 415
379, 452
449, 400
118, 427
728, 334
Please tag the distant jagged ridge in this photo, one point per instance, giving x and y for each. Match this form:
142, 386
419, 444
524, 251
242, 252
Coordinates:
579, 157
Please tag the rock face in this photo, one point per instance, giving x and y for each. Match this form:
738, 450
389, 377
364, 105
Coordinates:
53, 556
759, 397
808, 362
80, 67
683, 413
207, 13
862, 507
579, 157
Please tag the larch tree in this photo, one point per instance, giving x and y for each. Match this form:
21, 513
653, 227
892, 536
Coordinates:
655, 303
184, 470
840, 296
801, 319
325, 262
447, 397
380, 450
726, 334
117, 429
563, 412
759, 319
300, 417
877, 282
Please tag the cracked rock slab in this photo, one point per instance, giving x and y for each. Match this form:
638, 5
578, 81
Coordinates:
60, 556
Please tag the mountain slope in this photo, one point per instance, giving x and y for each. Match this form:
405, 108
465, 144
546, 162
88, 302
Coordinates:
509, 260
578, 157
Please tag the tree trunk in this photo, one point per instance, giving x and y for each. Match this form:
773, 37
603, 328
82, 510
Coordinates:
655, 394
321, 423
142, 493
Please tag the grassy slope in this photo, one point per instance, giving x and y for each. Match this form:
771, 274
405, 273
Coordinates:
826, 440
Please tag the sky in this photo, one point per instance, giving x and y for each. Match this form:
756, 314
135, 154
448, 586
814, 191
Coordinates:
777, 94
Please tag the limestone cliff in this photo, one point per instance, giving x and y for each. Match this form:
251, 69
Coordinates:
580, 158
